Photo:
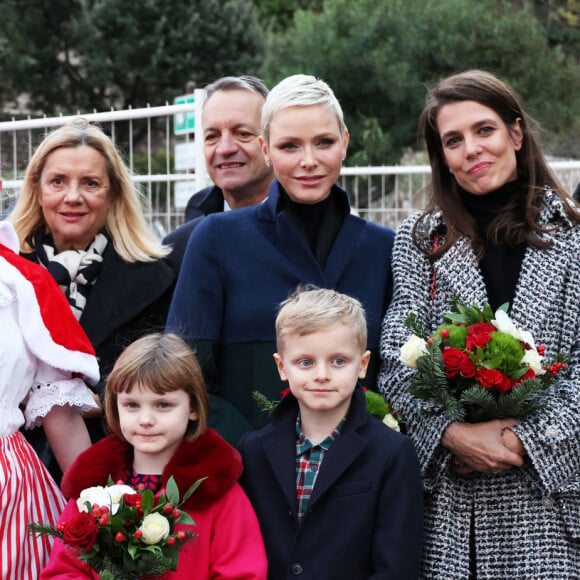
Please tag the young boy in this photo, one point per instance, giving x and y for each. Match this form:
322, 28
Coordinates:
337, 493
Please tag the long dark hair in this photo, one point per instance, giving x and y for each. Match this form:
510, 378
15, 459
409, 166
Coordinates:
517, 224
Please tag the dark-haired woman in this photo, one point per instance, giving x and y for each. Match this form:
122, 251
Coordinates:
502, 497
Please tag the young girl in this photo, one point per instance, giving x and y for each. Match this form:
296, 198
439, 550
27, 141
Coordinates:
43, 355
157, 408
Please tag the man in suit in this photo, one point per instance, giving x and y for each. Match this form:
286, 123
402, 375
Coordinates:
231, 120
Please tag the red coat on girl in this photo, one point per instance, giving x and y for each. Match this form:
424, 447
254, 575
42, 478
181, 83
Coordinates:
229, 542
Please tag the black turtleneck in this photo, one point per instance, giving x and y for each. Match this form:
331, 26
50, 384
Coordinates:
318, 223
500, 264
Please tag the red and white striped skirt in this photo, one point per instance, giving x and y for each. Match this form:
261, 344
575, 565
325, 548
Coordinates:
27, 494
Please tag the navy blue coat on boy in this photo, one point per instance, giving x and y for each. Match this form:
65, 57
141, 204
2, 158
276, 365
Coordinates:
365, 517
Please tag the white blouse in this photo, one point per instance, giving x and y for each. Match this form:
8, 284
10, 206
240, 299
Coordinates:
29, 387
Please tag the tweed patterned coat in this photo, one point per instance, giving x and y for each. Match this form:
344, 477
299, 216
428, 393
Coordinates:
526, 520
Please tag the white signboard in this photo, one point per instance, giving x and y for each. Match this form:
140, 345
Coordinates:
184, 156
183, 191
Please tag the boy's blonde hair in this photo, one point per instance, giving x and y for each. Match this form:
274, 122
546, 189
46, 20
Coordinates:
309, 310
163, 363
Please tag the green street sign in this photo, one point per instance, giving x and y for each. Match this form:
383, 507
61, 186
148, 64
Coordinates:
184, 123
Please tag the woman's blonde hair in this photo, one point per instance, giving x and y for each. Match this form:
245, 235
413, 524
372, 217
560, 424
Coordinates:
300, 91
125, 221
163, 363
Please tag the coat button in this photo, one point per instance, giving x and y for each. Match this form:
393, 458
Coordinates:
296, 569
552, 432
547, 502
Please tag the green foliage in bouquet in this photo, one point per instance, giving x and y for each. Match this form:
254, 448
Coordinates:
479, 365
130, 538
264, 404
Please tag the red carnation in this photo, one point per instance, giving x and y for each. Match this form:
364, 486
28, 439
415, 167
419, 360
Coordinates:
492, 378
453, 359
478, 335
81, 532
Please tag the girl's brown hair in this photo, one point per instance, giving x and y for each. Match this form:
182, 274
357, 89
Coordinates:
163, 363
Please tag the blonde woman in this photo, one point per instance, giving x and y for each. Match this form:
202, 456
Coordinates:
240, 265
79, 215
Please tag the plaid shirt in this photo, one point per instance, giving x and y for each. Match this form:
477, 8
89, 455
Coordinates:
309, 458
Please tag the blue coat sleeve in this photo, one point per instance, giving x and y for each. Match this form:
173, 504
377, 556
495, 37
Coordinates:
197, 307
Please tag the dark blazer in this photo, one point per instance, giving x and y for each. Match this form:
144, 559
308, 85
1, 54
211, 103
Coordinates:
365, 516
237, 268
204, 202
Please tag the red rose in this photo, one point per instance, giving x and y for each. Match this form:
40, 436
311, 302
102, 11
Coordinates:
453, 358
467, 368
492, 378
81, 532
478, 335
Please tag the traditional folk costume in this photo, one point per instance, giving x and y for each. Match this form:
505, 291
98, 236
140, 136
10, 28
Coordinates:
43, 355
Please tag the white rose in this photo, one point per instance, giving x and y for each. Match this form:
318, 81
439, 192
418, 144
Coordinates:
95, 496
412, 350
155, 528
505, 324
534, 361
116, 492
391, 422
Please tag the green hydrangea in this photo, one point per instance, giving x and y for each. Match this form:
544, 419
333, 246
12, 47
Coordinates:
457, 335
504, 353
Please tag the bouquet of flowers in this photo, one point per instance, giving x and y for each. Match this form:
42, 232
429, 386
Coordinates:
375, 405
479, 365
124, 533
383, 411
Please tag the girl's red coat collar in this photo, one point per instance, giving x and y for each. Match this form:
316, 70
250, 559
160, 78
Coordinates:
208, 456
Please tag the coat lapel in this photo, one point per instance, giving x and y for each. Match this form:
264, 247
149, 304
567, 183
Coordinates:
280, 450
122, 291
295, 249
538, 266
342, 453
344, 249
450, 272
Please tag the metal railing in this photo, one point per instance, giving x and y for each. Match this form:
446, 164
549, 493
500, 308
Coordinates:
385, 195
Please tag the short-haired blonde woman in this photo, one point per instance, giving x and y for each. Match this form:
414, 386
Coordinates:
79, 215
157, 407
239, 266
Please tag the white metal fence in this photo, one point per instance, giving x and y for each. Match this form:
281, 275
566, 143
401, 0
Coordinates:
146, 138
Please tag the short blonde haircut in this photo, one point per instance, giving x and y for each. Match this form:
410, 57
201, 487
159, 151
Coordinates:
125, 220
310, 310
163, 363
300, 91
